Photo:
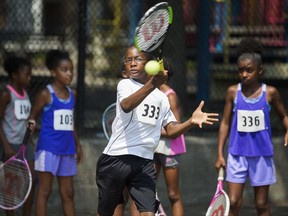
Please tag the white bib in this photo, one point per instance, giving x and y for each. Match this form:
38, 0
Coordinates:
22, 109
148, 111
63, 120
250, 120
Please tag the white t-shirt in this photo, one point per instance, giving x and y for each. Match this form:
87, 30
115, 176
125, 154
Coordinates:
138, 132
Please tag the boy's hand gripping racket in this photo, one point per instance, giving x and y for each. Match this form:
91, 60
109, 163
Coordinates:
220, 203
107, 120
15, 178
152, 28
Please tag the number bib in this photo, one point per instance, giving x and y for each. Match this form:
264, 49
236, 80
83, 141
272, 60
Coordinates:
250, 120
148, 111
22, 109
63, 120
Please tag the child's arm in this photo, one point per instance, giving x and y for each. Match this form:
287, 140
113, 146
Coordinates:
225, 126
132, 101
174, 106
174, 129
77, 140
78, 146
42, 99
4, 100
274, 98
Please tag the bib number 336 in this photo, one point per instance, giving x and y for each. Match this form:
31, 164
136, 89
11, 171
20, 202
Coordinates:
250, 120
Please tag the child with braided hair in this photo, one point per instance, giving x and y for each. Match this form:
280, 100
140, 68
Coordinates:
250, 150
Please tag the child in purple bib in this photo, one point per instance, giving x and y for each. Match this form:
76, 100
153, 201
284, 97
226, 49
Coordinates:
246, 119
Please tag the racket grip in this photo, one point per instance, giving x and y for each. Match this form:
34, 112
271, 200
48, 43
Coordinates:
221, 174
27, 135
161, 64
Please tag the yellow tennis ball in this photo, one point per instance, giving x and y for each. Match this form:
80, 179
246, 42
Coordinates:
152, 67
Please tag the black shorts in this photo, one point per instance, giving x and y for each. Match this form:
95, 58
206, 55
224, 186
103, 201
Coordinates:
113, 173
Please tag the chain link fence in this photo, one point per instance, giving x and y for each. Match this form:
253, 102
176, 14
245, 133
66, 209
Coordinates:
202, 44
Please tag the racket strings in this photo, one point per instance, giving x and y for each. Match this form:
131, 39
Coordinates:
15, 184
109, 120
153, 29
218, 207
160, 211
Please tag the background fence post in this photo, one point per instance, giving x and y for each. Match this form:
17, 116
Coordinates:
80, 106
203, 57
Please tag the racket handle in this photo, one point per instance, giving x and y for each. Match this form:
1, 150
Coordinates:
161, 64
26, 137
221, 174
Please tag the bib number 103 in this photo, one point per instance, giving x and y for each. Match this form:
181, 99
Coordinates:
250, 120
63, 120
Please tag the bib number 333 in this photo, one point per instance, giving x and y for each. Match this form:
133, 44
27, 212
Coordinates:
250, 120
148, 112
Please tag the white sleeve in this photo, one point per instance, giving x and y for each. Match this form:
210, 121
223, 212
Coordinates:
169, 117
123, 90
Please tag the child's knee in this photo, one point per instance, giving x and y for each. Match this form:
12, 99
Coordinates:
45, 192
235, 203
262, 205
67, 193
174, 196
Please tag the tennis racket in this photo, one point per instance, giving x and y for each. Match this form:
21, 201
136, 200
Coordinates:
220, 203
160, 211
107, 120
15, 178
152, 29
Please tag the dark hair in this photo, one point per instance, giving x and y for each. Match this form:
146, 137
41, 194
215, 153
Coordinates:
13, 64
54, 57
149, 56
168, 66
250, 47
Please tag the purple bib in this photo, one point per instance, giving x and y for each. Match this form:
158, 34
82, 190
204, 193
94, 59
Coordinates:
250, 133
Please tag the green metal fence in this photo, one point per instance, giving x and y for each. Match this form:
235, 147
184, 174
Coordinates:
201, 43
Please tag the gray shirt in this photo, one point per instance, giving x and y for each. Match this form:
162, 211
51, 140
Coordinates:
15, 118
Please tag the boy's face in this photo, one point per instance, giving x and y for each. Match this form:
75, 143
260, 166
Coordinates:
134, 62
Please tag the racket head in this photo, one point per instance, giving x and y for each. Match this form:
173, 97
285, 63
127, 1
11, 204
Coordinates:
107, 120
15, 181
153, 26
220, 204
160, 210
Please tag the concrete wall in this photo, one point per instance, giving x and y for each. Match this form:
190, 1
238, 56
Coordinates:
198, 177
